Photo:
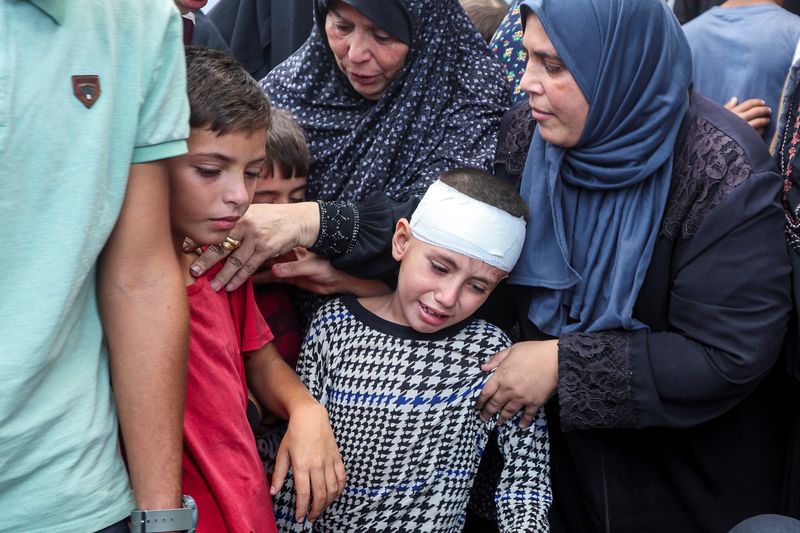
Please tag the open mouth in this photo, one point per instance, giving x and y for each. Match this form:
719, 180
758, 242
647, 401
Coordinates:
429, 311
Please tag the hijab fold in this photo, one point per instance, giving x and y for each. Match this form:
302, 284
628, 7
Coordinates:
597, 207
442, 111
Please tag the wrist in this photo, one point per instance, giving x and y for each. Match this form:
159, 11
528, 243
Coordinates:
336, 229
304, 406
180, 518
152, 499
311, 222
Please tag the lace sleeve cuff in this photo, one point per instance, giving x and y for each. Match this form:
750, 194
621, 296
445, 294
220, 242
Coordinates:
594, 384
338, 229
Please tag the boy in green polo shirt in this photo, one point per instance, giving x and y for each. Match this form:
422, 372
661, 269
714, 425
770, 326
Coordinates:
92, 101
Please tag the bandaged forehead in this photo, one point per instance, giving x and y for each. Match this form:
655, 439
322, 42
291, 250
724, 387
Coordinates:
452, 220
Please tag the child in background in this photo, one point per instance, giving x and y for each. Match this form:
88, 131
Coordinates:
284, 182
230, 345
399, 374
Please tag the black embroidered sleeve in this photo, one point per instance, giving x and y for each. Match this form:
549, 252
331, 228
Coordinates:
338, 229
594, 384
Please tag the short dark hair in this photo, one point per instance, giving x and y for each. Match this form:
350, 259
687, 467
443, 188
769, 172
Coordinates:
222, 95
286, 145
492, 190
486, 15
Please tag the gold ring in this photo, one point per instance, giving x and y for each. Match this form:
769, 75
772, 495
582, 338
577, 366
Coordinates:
230, 244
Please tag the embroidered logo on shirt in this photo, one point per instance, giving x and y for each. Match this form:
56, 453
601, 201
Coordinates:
86, 89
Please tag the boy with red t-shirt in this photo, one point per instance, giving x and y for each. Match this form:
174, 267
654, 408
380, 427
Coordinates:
230, 345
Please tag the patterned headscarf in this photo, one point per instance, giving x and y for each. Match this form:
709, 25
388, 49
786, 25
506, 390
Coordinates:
442, 110
597, 206
506, 44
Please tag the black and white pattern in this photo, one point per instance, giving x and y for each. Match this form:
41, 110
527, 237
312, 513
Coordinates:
441, 112
402, 408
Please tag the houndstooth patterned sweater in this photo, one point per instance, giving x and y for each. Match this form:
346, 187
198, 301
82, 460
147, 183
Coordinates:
401, 406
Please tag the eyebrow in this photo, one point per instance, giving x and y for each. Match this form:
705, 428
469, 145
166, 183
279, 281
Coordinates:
225, 159
452, 264
372, 27
548, 55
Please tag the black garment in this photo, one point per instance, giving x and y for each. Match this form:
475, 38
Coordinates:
686, 10
259, 40
207, 34
788, 142
682, 427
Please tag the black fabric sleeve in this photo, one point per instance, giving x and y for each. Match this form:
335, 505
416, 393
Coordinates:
370, 255
728, 309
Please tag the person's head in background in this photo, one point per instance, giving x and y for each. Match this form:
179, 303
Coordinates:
486, 15
463, 239
369, 41
286, 167
212, 185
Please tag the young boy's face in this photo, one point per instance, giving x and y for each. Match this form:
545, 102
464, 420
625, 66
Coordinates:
212, 186
275, 188
436, 287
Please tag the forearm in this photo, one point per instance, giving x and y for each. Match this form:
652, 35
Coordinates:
645, 379
146, 327
145, 317
274, 384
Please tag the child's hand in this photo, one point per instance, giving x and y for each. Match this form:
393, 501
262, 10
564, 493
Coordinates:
310, 448
316, 274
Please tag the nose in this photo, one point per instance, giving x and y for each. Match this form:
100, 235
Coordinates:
531, 82
447, 293
359, 51
236, 192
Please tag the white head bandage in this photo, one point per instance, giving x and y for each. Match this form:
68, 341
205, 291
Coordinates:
453, 220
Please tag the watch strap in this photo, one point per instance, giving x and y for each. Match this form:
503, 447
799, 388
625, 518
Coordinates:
157, 520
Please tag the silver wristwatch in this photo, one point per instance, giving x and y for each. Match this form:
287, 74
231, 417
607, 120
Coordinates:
156, 520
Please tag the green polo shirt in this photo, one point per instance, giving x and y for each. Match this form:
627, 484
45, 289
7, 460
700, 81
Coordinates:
66, 146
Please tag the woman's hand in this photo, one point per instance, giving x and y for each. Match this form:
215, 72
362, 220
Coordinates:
309, 447
753, 111
265, 231
526, 377
315, 274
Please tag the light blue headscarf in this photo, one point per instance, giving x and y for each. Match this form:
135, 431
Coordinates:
596, 208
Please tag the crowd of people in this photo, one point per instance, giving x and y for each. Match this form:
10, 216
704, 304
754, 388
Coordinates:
451, 266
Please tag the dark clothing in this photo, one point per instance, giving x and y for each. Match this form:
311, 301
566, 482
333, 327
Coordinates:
686, 10
123, 526
441, 111
788, 141
207, 34
680, 427
259, 40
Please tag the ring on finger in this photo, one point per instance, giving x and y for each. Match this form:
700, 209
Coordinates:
230, 244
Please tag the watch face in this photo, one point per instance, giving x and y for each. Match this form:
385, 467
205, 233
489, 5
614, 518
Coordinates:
188, 503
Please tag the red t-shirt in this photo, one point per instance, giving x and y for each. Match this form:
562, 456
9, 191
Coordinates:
278, 311
221, 467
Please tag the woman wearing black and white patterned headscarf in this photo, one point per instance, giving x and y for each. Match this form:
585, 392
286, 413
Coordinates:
391, 93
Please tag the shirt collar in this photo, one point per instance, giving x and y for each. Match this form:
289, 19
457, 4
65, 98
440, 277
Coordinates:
56, 9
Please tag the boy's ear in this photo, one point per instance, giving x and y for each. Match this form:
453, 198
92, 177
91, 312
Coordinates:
401, 238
